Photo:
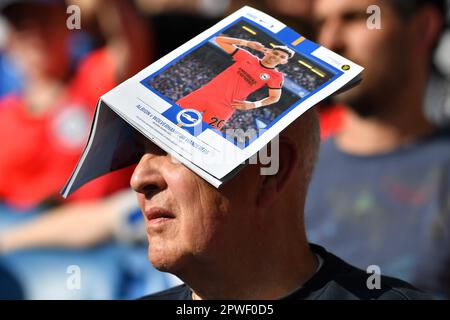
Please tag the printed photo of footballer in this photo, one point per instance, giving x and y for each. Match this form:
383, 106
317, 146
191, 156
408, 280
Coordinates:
242, 78
218, 99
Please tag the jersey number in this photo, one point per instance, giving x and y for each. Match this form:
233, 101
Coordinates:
215, 122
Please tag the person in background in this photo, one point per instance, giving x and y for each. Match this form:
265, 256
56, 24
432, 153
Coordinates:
380, 193
43, 130
53, 112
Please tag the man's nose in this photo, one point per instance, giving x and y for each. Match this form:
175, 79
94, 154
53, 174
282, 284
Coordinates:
147, 177
331, 36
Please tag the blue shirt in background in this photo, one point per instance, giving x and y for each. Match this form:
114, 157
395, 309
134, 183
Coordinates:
391, 210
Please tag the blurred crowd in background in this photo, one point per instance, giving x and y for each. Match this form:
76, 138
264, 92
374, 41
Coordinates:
50, 80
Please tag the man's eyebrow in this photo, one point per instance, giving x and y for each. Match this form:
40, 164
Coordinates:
354, 13
347, 14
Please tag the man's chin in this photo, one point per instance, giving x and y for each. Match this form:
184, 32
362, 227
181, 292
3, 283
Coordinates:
160, 264
165, 261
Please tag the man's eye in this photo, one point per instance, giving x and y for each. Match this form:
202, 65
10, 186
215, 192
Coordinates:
354, 16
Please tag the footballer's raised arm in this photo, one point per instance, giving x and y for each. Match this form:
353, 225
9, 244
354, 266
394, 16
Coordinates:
230, 44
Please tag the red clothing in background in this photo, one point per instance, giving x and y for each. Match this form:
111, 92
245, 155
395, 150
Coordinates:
331, 120
39, 152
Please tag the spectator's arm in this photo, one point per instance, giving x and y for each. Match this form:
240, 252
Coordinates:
75, 225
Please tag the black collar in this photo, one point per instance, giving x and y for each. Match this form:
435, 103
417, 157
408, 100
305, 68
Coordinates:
265, 66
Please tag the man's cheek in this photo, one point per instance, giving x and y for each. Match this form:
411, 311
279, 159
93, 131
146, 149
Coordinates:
141, 200
183, 186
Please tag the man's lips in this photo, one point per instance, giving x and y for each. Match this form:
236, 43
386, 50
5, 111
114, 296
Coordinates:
158, 215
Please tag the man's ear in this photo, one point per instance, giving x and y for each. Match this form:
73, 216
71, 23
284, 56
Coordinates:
428, 24
272, 186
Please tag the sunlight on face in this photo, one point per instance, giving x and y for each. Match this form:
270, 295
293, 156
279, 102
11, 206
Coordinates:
187, 219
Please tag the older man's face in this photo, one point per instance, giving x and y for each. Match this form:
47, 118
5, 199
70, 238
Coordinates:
187, 219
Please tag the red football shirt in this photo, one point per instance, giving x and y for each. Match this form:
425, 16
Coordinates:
38, 153
236, 82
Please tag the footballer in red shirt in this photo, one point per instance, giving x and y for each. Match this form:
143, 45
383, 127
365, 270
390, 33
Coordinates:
218, 99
